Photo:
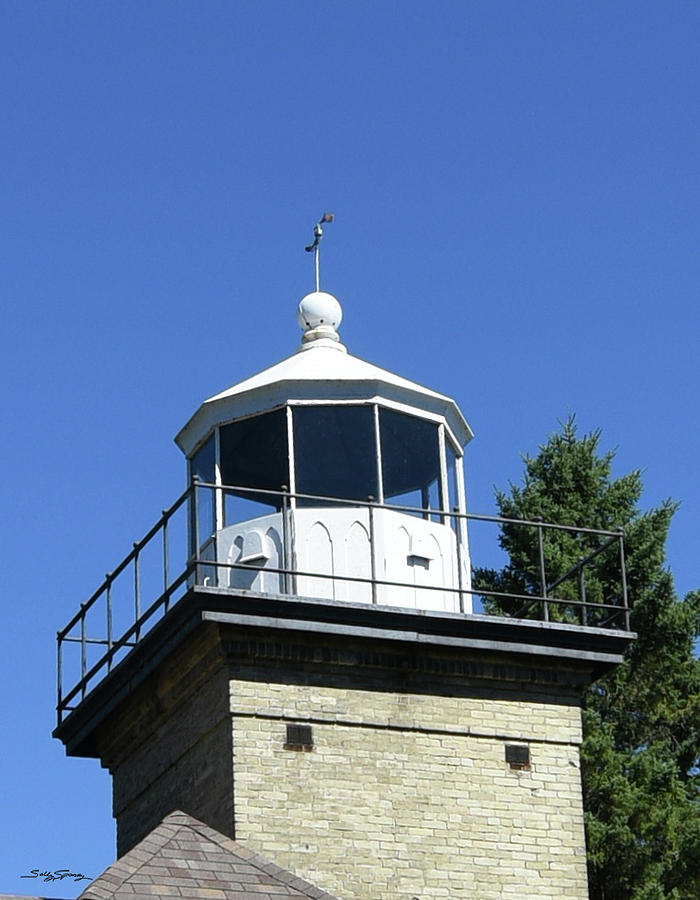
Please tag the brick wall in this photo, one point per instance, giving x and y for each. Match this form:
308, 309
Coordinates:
406, 793
410, 795
199, 781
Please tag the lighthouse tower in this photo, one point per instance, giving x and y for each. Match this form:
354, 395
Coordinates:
312, 681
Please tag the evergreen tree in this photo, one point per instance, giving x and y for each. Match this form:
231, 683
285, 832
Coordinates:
641, 750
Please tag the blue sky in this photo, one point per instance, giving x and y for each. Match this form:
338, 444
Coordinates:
517, 197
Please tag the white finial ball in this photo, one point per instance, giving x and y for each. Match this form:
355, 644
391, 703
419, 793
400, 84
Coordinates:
319, 309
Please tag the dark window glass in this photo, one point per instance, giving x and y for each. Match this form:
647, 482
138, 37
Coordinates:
410, 460
202, 465
334, 452
254, 454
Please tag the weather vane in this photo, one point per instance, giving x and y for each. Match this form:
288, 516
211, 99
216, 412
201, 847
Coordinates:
315, 247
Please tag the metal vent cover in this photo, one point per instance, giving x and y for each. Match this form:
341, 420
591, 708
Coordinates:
518, 756
299, 737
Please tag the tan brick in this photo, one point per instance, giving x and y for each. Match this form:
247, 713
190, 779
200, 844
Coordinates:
436, 813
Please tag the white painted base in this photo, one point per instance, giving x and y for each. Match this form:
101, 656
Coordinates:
418, 553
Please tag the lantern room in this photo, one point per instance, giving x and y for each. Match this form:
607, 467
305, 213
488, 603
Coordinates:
327, 477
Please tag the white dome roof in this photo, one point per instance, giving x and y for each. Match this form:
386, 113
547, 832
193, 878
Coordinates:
322, 371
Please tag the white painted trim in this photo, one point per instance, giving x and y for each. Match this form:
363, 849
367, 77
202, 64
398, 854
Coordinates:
378, 454
456, 446
444, 485
394, 405
463, 535
330, 401
462, 496
218, 494
291, 550
290, 452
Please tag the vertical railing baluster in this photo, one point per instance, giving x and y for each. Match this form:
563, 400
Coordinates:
137, 593
372, 549
83, 651
285, 539
582, 592
543, 573
166, 561
59, 676
458, 536
293, 555
109, 623
623, 572
195, 526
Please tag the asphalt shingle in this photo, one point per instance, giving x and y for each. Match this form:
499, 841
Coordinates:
186, 859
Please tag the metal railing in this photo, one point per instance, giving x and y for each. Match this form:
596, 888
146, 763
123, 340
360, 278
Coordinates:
591, 592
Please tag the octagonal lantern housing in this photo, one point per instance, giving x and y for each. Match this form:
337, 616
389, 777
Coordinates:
325, 476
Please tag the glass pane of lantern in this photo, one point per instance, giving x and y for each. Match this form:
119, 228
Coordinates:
410, 461
334, 452
254, 454
202, 466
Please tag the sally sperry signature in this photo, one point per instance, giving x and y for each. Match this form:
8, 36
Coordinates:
56, 875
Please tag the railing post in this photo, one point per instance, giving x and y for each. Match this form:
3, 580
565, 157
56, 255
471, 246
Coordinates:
543, 573
137, 592
292, 535
582, 592
195, 527
372, 549
166, 559
83, 650
59, 677
109, 622
623, 572
458, 536
285, 539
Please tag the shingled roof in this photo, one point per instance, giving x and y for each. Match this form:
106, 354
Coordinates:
183, 858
